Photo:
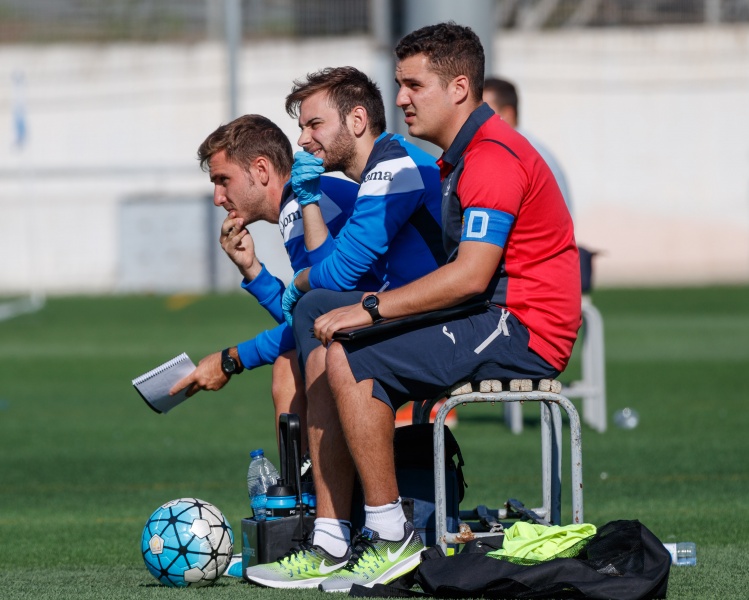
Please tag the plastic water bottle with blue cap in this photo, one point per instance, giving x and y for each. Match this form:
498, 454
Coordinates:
683, 554
260, 476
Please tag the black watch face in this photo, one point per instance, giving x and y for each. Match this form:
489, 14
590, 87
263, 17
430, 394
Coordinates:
370, 302
229, 365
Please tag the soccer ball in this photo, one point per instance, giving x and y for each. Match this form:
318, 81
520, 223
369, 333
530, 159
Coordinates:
187, 542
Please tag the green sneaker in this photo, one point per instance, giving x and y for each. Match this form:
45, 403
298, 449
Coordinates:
375, 560
304, 567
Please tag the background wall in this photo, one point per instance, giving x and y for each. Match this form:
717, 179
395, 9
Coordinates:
651, 127
106, 123
650, 124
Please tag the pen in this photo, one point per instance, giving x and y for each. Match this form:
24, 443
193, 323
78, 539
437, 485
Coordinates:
382, 289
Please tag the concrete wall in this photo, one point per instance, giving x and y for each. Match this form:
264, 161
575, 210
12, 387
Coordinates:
650, 125
109, 123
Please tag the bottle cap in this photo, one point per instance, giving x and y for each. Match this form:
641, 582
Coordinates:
281, 489
256, 453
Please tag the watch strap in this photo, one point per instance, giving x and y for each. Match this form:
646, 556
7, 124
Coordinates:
374, 310
227, 359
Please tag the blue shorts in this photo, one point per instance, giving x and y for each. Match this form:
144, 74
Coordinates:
423, 363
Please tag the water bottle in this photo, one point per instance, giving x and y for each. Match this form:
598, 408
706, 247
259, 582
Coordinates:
309, 499
281, 501
683, 554
626, 418
260, 476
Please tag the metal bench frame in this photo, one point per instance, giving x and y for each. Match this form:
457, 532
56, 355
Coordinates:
551, 451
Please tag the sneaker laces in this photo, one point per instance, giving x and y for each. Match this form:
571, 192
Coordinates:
359, 547
294, 553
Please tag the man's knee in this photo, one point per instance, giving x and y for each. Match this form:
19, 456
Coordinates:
335, 356
306, 311
337, 366
316, 361
316, 303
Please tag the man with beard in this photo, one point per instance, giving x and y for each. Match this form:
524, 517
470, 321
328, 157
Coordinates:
393, 231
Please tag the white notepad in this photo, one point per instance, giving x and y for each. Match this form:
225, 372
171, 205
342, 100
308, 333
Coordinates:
154, 386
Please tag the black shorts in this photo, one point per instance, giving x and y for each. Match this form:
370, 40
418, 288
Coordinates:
423, 363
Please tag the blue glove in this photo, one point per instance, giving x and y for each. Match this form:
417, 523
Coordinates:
305, 178
291, 296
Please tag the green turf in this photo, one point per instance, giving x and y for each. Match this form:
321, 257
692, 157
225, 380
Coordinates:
83, 461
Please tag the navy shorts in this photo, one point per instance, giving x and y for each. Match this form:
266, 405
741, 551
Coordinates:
312, 305
423, 363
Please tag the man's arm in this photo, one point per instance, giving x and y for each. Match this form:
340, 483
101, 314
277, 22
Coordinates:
263, 349
315, 229
378, 216
266, 347
208, 375
305, 181
268, 290
340, 196
467, 276
239, 246
362, 241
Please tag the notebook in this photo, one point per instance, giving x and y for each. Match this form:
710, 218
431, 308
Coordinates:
390, 326
154, 386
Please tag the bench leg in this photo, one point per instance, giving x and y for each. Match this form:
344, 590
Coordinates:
551, 425
594, 369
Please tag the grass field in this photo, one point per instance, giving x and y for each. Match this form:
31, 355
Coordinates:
83, 461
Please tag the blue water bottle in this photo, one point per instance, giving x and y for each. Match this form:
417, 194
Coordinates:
309, 499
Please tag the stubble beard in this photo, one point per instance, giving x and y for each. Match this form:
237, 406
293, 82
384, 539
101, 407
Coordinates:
339, 156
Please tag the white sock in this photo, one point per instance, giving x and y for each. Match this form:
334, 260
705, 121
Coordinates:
332, 535
386, 520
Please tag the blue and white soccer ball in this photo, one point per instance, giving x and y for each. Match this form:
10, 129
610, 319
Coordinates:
187, 542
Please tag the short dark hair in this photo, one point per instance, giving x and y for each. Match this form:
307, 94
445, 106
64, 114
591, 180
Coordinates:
244, 139
505, 91
452, 50
347, 88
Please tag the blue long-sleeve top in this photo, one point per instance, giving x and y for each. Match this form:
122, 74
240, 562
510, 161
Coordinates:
394, 230
336, 204
387, 229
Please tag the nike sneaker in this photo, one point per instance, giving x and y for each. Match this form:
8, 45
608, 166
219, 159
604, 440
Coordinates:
374, 560
306, 566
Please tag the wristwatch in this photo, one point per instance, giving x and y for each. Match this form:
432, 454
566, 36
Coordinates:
230, 365
371, 304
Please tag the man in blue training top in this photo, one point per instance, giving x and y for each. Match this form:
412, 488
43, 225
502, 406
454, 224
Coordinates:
249, 161
395, 227
394, 230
